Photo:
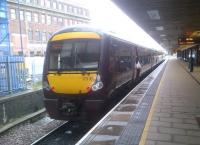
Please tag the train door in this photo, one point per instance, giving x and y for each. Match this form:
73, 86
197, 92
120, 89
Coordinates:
112, 64
134, 57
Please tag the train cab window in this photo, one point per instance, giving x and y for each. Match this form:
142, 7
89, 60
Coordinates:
87, 55
65, 59
74, 55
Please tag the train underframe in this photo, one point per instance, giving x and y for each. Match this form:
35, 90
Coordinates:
75, 107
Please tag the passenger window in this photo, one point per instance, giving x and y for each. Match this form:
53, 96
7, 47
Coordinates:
123, 56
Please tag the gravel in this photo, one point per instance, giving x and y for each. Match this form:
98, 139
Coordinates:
28, 132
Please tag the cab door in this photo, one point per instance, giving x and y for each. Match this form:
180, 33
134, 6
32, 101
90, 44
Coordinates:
134, 57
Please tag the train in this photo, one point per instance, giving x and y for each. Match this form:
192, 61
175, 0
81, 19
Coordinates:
84, 66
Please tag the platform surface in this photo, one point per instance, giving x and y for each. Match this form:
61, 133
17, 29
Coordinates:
176, 108
196, 70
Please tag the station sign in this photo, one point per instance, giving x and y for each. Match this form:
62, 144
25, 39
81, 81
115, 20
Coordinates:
196, 36
185, 40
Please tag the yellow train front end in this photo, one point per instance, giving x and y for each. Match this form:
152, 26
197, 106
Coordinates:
70, 74
67, 82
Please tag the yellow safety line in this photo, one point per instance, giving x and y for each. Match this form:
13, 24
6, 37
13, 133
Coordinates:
153, 107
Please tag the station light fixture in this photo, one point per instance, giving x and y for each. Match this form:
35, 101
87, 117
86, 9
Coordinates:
162, 35
153, 14
189, 39
159, 28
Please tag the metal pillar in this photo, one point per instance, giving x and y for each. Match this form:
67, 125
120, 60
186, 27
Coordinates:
20, 29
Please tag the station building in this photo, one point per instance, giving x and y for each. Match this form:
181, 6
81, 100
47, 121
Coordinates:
32, 22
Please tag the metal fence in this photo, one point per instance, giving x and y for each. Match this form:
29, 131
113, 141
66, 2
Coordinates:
12, 74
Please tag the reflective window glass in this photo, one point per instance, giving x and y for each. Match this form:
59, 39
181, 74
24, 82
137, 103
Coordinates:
43, 19
13, 14
28, 16
21, 15
48, 20
36, 17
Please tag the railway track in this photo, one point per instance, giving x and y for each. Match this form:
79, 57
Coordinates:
66, 134
48, 134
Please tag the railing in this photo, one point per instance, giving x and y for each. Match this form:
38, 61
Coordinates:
12, 74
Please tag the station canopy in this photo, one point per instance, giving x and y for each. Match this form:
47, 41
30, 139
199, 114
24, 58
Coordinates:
165, 20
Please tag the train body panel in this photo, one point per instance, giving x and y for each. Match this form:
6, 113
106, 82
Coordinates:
83, 67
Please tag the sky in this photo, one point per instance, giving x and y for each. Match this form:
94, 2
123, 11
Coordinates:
106, 15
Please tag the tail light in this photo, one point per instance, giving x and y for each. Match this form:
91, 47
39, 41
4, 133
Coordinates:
45, 83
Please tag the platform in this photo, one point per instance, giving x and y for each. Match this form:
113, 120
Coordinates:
176, 109
161, 110
195, 73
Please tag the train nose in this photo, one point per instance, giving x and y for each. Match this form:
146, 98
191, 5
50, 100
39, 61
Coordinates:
72, 83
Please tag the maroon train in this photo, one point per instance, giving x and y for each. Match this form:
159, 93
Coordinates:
84, 66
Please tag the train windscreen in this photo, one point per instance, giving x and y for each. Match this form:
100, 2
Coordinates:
74, 55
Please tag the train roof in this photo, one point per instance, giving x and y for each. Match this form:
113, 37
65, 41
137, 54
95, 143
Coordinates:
101, 32
79, 28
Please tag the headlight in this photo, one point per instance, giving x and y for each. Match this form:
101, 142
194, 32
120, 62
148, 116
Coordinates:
98, 84
94, 88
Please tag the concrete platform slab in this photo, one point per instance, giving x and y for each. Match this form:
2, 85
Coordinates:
176, 106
